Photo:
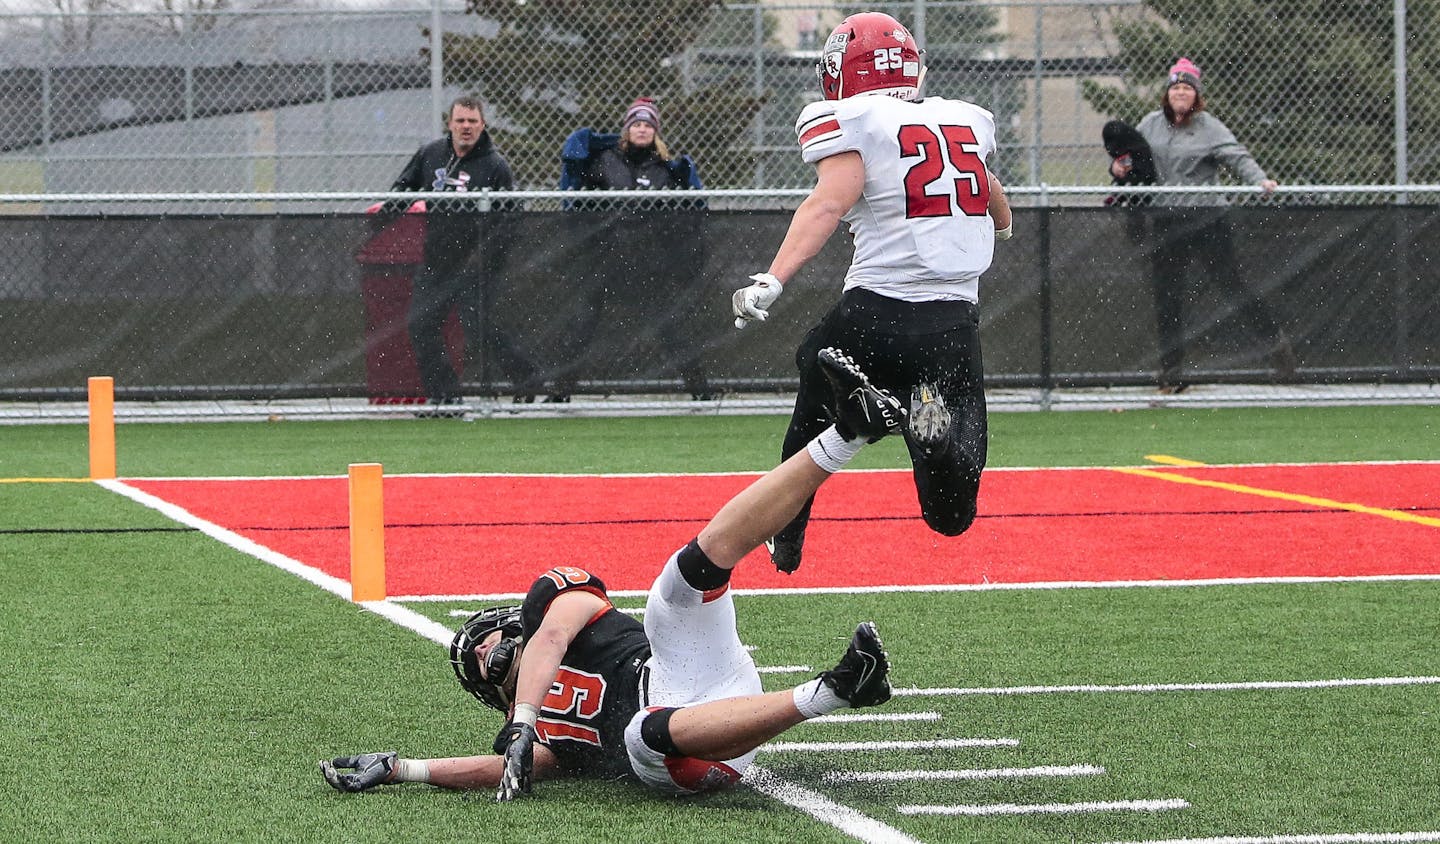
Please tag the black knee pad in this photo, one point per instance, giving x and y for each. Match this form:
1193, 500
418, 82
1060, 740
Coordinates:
701, 574
655, 732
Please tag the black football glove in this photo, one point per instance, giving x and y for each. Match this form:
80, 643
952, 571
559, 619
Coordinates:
366, 770
519, 762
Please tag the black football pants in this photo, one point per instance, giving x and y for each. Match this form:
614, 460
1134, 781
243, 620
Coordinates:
898, 345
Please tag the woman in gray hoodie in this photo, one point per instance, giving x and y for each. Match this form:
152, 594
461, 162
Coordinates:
1189, 146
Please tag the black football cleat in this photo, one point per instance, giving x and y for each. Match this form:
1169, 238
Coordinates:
862, 409
863, 676
785, 551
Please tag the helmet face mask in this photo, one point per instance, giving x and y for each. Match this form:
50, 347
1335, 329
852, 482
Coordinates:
870, 53
493, 684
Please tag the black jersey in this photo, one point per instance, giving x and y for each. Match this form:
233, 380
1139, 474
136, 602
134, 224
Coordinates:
597, 690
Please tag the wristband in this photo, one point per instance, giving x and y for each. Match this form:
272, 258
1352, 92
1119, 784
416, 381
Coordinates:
525, 714
411, 770
1005, 233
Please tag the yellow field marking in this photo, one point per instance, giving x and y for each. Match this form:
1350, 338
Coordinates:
44, 480
1172, 461
1327, 503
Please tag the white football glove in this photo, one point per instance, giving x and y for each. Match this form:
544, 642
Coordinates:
1005, 233
752, 302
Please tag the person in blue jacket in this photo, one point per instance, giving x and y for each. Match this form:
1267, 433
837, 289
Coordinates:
635, 159
642, 242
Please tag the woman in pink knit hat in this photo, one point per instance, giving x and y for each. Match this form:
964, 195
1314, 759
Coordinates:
1190, 146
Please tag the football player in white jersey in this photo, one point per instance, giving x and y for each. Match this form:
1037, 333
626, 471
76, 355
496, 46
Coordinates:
909, 175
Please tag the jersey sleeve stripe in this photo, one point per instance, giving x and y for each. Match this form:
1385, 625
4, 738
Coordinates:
818, 131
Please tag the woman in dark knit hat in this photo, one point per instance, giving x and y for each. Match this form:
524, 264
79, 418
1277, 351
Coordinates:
636, 159
645, 244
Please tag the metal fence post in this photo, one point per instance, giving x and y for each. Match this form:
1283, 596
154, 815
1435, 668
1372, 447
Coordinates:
1036, 177
1402, 155
757, 34
1047, 334
437, 62
47, 62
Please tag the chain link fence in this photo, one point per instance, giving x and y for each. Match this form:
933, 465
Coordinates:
182, 191
224, 99
1322, 303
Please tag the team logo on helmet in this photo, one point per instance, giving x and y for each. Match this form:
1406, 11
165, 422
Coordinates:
870, 53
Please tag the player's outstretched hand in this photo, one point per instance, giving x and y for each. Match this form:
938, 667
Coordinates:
519, 763
359, 773
753, 302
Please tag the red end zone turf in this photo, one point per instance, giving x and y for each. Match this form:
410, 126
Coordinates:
464, 535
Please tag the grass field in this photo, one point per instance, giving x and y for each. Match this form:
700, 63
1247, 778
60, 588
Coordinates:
163, 686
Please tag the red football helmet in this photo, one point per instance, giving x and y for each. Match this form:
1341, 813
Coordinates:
870, 53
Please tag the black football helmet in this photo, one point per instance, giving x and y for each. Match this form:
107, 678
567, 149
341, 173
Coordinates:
501, 663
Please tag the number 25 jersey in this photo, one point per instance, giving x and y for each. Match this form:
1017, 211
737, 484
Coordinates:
922, 227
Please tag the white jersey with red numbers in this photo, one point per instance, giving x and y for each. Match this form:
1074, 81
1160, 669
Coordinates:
922, 228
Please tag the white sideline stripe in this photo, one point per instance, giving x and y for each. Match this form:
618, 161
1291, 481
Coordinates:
784, 669
1336, 838
468, 613
1147, 465
874, 716
977, 587
937, 744
965, 774
402, 616
866, 829
861, 827
1048, 808
1258, 685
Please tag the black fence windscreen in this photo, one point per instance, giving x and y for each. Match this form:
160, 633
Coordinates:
629, 301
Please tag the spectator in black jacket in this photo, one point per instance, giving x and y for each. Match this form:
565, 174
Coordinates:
643, 242
463, 161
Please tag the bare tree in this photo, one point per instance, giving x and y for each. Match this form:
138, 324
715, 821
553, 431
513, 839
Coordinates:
78, 22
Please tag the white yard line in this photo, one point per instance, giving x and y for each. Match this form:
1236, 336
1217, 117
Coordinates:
1047, 808
1337, 838
859, 826
1253, 685
974, 587
965, 774
860, 717
756, 472
840, 746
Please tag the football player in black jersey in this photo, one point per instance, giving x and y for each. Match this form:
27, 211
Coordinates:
676, 702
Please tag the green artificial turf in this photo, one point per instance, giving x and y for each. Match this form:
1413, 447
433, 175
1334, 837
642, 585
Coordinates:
159, 686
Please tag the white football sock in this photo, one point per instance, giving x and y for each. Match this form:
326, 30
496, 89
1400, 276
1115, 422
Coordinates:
815, 698
831, 452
